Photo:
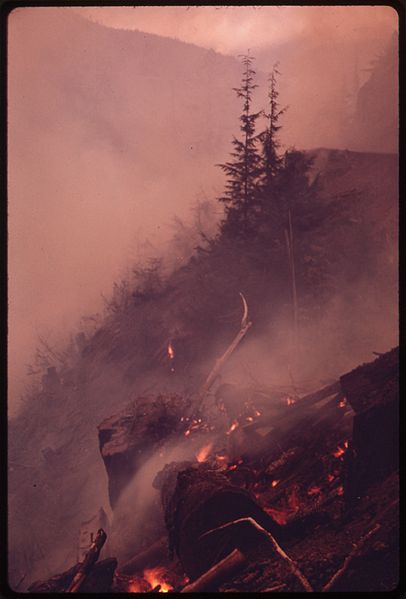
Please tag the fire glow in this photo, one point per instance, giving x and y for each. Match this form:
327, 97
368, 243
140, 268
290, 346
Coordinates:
281, 516
171, 351
340, 451
155, 577
202, 454
232, 427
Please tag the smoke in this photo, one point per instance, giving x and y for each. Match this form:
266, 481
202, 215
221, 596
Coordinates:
138, 515
232, 29
107, 141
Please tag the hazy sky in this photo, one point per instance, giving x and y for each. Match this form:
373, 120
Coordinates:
82, 193
233, 29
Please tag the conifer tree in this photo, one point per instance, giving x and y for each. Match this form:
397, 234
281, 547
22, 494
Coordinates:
272, 163
241, 192
269, 138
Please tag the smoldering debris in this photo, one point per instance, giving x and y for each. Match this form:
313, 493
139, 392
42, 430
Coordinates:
283, 513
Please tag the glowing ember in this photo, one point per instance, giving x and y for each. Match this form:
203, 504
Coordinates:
171, 351
137, 584
249, 419
346, 444
187, 433
274, 483
233, 467
221, 458
340, 490
232, 427
204, 452
293, 500
134, 587
343, 403
314, 490
330, 477
257, 413
339, 452
281, 516
155, 577
290, 401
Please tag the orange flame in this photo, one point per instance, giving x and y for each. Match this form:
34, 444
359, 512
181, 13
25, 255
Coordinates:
339, 451
232, 427
281, 516
204, 452
155, 577
171, 351
134, 587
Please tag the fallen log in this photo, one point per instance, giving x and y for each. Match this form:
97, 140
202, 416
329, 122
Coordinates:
90, 559
146, 559
292, 412
196, 499
218, 574
288, 560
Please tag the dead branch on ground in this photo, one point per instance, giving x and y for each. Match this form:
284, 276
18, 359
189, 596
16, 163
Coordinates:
291, 564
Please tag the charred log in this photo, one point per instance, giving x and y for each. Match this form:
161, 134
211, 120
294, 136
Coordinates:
197, 499
373, 392
126, 439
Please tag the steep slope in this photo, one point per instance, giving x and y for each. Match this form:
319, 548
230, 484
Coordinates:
56, 475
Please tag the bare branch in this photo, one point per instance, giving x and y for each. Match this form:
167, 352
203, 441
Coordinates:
291, 564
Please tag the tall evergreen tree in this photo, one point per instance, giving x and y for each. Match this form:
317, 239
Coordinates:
269, 215
241, 192
271, 157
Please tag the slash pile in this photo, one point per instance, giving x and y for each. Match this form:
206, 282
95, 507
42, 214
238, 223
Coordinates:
281, 493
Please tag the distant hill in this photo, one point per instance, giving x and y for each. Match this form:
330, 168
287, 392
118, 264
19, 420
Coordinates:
375, 124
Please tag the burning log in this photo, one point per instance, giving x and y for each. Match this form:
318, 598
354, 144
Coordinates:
218, 574
298, 407
197, 498
245, 325
291, 564
90, 559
